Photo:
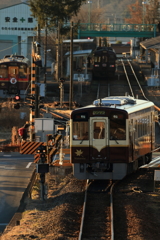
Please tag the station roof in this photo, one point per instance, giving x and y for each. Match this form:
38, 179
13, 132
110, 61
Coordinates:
151, 43
79, 41
80, 53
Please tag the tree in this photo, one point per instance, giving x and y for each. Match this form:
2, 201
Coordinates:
143, 13
151, 12
54, 10
96, 15
135, 10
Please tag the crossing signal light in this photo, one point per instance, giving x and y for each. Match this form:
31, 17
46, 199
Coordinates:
30, 97
17, 98
32, 107
41, 105
16, 106
40, 99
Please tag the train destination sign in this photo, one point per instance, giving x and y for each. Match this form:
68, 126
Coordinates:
98, 112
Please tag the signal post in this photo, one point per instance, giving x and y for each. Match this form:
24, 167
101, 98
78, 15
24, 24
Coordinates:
36, 63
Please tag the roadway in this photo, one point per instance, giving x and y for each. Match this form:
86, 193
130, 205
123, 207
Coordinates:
15, 173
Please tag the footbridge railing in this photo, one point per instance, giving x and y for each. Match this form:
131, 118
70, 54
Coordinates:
116, 30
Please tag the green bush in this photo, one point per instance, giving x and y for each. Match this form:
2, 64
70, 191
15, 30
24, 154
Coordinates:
118, 42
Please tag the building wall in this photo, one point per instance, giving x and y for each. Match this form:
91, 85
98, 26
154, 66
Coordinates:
17, 28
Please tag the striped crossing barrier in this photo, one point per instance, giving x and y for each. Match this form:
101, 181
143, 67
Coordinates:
37, 157
30, 147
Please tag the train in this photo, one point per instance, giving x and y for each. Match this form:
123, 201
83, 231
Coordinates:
14, 75
112, 137
92, 64
103, 61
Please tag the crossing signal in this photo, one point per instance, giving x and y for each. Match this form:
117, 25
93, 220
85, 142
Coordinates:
17, 98
30, 97
32, 107
16, 106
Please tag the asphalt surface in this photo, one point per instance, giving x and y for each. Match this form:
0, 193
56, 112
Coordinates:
15, 173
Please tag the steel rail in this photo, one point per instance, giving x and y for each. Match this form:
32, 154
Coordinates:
156, 107
137, 80
112, 211
127, 78
110, 186
83, 212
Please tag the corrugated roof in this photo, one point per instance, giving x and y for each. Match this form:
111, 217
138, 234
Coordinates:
79, 41
80, 53
151, 43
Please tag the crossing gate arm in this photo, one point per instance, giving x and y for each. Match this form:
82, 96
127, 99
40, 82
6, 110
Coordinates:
30, 147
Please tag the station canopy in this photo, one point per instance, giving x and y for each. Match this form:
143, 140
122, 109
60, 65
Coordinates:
79, 41
151, 43
80, 53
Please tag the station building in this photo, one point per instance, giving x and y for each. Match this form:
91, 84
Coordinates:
17, 29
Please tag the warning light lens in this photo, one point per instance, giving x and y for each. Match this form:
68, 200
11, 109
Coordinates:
16, 106
17, 98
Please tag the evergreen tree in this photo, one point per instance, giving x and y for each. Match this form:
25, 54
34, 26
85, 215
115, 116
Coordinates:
54, 10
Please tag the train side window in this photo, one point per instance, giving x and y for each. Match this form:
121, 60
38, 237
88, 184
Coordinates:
80, 131
99, 130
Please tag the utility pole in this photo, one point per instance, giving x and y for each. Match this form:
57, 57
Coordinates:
61, 87
98, 4
71, 67
45, 53
37, 74
61, 57
35, 60
58, 51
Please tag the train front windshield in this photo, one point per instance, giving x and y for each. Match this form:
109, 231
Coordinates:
3, 71
99, 130
80, 127
80, 131
23, 71
117, 127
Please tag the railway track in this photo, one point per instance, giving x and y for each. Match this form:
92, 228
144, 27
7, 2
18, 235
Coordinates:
110, 209
128, 81
97, 215
132, 79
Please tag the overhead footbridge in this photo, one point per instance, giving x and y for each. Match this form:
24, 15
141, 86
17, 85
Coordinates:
116, 30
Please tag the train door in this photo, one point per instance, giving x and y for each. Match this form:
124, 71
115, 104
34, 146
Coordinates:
13, 72
99, 138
